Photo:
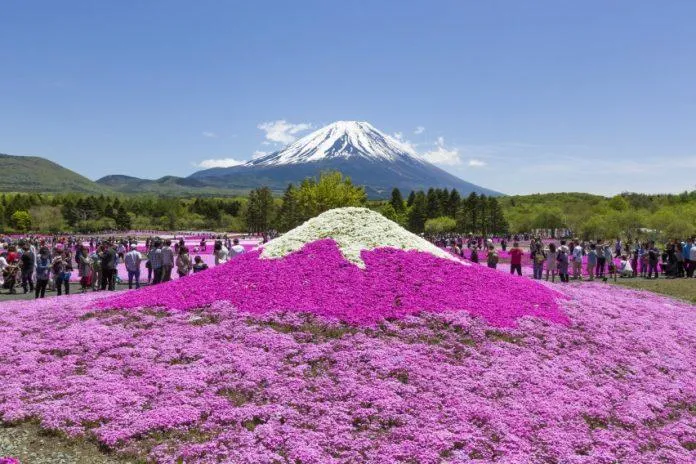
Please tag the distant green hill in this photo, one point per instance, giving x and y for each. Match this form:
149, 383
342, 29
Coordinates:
35, 174
167, 186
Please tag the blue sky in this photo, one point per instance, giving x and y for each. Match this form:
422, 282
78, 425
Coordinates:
520, 97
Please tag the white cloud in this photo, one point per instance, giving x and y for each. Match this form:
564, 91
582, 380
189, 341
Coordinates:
211, 135
219, 163
442, 155
259, 154
419, 130
398, 135
474, 163
282, 131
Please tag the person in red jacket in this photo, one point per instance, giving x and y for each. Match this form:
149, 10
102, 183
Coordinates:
516, 259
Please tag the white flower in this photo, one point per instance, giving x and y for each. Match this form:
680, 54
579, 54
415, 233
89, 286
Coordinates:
354, 230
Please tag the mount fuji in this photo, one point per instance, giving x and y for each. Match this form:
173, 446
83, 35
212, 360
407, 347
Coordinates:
368, 156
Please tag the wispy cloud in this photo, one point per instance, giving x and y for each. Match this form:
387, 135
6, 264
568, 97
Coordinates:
398, 135
474, 163
218, 163
259, 154
282, 131
442, 155
419, 130
211, 135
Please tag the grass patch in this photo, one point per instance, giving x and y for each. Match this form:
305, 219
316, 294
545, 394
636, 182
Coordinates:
683, 289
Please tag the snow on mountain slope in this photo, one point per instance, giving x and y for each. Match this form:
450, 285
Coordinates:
342, 139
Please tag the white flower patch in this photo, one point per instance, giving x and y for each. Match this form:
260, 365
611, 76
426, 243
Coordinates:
354, 230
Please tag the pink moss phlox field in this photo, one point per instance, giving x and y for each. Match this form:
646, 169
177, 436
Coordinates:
319, 280
9, 460
616, 384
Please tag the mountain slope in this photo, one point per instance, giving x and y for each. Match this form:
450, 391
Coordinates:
167, 185
35, 174
370, 157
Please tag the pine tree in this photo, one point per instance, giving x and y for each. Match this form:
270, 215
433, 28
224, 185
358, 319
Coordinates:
289, 214
411, 198
259, 210
123, 220
453, 203
417, 215
472, 207
397, 201
432, 204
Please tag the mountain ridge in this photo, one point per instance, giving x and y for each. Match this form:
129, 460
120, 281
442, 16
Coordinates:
34, 174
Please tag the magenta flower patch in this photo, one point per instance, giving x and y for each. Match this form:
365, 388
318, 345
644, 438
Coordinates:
320, 281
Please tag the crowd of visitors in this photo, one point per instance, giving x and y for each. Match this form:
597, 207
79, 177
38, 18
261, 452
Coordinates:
595, 259
37, 264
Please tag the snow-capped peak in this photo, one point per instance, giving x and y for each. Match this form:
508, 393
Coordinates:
342, 139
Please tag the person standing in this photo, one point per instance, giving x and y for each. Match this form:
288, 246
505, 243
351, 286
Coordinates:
577, 260
108, 267
516, 259
492, 258
27, 260
132, 259
653, 258
608, 257
95, 258
43, 269
591, 260
686, 252
155, 259
183, 262
692, 259
679, 257
167, 261
563, 263
551, 262
474, 255
617, 248
58, 266
84, 269
538, 259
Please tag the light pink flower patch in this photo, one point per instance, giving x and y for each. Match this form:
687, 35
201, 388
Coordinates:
617, 384
320, 281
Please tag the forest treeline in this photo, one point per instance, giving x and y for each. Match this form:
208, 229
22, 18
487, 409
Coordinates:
627, 215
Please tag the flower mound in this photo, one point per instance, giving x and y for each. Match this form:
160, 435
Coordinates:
354, 230
318, 280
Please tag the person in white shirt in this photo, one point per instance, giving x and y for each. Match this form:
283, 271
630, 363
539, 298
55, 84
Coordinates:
3, 265
577, 261
626, 270
133, 260
221, 253
237, 249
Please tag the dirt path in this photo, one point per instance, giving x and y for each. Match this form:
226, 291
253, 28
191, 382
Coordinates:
32, 446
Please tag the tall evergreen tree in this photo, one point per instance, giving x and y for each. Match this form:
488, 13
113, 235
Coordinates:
453, 203
418, 213
432, 204
411, 198
123, 220
289, 213
259, 210
397, 201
